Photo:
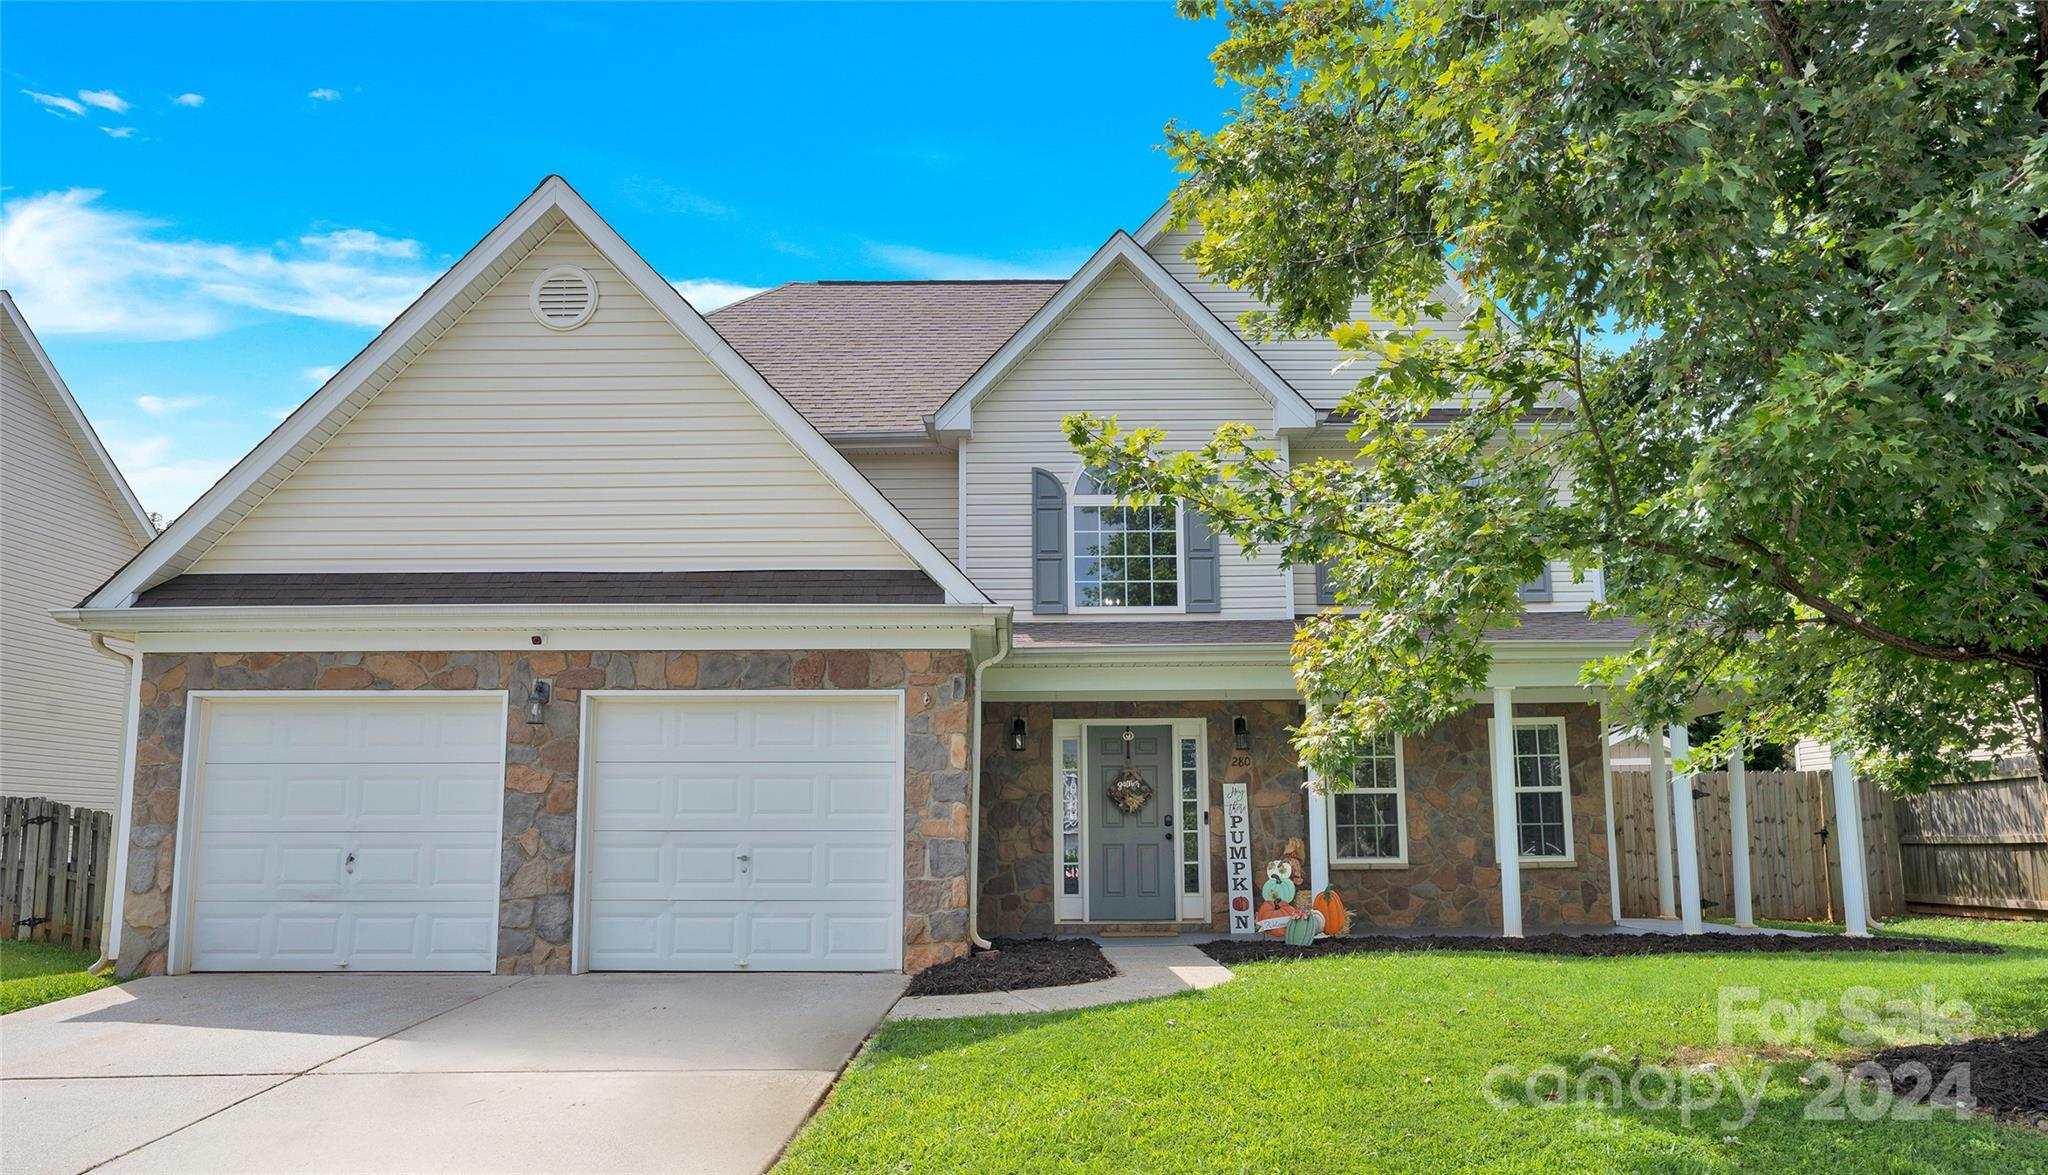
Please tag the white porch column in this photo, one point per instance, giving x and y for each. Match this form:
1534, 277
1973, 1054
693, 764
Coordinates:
1507, 842
1607, 796
1738, 835
1318, 837
1660, 819
1849, 835
1685, 831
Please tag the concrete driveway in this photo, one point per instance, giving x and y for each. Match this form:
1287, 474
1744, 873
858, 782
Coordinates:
222, 1073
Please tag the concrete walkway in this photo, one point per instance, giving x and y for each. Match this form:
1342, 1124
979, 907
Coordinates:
1146, 969
445, 1073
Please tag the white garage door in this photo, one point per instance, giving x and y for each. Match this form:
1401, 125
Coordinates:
763, 833
350, 833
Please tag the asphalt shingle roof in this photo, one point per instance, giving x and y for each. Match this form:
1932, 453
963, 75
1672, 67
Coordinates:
876, 357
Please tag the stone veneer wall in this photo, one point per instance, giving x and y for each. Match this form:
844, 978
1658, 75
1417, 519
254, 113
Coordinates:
1453, 877
538, 855
1017, 849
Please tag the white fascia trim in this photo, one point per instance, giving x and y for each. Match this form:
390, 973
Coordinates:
1290, 410
535, 617
98, 462
1154, 225
554, 195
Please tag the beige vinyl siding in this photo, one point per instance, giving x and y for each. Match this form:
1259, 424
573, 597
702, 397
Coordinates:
62, 706
1329, 444
1119, 351
1317, 367
924, 486
509, 446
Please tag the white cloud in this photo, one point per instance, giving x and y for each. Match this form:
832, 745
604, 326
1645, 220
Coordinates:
165, 481
189, 100
105, 100
87, 269
120, 132
323, 94
706, 294
169, 405
315, 376
912, 261
58, 102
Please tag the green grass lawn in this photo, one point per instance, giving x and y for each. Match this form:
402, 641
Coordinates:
34, 973
1381, 1062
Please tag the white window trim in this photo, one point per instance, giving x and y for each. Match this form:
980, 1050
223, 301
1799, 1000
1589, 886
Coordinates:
1400, 790
1076, 501
1193, 907
1564, 787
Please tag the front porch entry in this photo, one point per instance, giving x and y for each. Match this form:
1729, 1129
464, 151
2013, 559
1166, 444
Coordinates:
1145, 866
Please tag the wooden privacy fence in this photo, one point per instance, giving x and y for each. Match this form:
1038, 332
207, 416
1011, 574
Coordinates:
1795, 871
1978, 846
54, 869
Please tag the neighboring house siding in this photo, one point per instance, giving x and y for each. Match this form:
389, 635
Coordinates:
62, 706
1316, 367
925, 486
510, 446
1121, 352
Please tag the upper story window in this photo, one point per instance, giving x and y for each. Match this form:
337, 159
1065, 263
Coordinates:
1125, 557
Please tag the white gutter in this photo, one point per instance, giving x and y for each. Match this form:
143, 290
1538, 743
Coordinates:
511, 617
124, 808
1004, 643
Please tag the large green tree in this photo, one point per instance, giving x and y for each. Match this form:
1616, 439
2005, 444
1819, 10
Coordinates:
1754, 308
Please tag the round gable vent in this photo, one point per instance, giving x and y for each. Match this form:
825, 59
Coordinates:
564, 298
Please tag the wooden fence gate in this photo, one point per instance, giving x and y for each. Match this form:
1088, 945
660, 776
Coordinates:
1795, 862
1979, 846
55, 866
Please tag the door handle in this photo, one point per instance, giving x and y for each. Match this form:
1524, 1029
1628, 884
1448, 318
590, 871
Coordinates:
348, 864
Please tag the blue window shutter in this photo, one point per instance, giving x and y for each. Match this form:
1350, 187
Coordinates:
1537, 591
1203, 591
1048, 544
1326, 592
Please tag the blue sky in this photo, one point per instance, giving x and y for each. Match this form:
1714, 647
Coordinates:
207, 208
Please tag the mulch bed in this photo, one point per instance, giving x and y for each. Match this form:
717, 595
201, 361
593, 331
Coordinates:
2008, 1075
1015, 964
1586, 946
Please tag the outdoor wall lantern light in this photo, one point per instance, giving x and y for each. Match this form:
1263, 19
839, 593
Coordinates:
1017, 734
1240, 734
536, 698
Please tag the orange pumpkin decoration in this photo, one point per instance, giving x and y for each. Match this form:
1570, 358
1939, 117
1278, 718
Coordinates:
1331, 907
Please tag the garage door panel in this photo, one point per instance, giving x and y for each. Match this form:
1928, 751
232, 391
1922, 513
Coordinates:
675, 866
766, 936
367, 797
659, 730
744, 796
314, 866
320, 936
410, 731
347, 833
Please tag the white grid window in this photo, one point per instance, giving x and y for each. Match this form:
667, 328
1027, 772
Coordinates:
1190, 819
1124, 556
1070, 816
1542, 792
1369, 824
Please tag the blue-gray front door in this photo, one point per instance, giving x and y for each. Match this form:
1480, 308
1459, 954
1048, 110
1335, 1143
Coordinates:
1130, 854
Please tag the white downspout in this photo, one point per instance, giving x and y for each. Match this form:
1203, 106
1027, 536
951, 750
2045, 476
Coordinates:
124, 806
1003, 646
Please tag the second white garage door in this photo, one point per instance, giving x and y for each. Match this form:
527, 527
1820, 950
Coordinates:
756, 832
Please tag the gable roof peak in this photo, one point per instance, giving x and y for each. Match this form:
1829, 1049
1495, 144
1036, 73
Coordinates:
1290, 410
544, 210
